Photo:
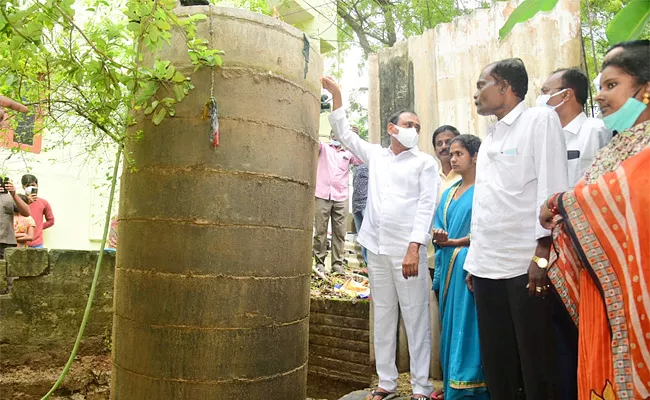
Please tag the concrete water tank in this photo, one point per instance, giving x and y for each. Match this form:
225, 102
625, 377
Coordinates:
213, 267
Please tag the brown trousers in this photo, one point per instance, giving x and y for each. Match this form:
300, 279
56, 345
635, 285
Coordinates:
338, 211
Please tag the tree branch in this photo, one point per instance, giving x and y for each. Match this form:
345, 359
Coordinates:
4, 14
90, 42
389, 18
356, 27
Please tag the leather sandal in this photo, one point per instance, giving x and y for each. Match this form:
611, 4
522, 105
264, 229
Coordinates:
382, 395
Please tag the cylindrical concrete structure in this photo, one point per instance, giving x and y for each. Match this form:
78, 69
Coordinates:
213, 267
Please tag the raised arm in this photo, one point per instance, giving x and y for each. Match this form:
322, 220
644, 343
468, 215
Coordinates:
341, 126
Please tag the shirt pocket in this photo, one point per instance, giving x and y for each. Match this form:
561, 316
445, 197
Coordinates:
513, 172
405, 180
344, 163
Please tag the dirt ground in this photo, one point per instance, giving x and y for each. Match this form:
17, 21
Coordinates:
89, 379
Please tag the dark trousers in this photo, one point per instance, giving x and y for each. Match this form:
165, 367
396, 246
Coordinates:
517, 340
566, 338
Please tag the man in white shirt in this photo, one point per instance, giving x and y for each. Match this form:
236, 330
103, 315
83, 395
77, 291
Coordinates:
521, 162
566, 91
402, 188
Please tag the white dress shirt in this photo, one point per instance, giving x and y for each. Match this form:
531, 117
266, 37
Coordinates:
402, 192
586, 136
521, 162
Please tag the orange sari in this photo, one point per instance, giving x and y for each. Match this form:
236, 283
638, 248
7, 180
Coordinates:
601, 269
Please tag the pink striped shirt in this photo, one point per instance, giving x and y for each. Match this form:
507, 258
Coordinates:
333, 173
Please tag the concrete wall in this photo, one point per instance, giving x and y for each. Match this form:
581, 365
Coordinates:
42, 313
436, 73
40, 319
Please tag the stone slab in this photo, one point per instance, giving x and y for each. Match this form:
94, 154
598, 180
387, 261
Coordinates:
26, 262
41, 316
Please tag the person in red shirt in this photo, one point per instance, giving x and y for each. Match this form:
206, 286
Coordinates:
39, 209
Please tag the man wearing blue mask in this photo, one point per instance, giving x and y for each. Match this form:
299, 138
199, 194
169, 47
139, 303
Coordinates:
402, 188
566, 91
332, 179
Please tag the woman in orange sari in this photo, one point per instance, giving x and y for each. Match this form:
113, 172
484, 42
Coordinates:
601, 258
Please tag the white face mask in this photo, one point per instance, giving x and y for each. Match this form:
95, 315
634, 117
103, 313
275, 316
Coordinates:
408, 137
543, 99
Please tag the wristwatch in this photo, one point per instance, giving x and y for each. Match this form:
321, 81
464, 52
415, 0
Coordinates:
541, 262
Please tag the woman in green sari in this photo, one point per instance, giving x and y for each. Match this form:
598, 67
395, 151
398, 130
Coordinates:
460, 353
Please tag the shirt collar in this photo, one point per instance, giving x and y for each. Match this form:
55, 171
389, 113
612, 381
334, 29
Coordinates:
451, 175
513, 114
413, 150
576, 123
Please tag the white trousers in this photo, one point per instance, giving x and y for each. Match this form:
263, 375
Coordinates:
389, 289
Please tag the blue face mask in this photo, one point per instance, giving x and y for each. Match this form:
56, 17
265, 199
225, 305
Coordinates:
626, 116
335, 143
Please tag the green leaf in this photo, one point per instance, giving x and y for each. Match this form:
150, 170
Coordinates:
151, 107
169, 73
524, 12
133, 26
16, 42
163, 25
154, 33
198, 17
628, 23
159, 115
179, 93
161, 68
178, 77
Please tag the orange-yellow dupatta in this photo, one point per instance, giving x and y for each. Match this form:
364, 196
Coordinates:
601, 269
